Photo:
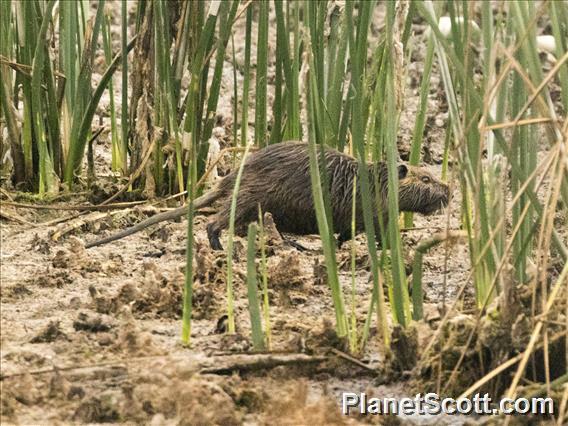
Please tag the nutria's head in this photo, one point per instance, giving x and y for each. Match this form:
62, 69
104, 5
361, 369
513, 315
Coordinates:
419, 191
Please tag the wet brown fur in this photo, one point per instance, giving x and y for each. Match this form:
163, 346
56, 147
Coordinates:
278, 179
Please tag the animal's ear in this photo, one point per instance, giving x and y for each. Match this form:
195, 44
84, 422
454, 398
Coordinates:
402, 171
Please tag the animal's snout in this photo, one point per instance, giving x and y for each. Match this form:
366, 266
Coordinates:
443, 198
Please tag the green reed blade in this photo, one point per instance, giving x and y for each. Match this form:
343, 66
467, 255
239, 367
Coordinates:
323, 215
261, 75
116, 159
124, 125
87, 118
252, 291
83, 105
264, 274
230, 243
47, 178
419, 125
246, 78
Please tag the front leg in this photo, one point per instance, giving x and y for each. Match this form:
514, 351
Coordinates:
379, 240
295, 244
342, 237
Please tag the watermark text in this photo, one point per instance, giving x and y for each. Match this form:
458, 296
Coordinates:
432, 404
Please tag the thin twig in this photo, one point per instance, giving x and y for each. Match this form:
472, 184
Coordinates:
79, 207
352, 359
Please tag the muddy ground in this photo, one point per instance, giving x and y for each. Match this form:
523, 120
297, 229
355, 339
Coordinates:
116, 310
93, 336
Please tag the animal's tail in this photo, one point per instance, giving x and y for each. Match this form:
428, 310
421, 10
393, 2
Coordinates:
207, 199
200, 202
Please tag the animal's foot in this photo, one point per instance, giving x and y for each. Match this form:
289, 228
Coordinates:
296, 245
213, 236
216, 245
342, 238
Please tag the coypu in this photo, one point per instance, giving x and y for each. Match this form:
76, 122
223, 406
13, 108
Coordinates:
278, 179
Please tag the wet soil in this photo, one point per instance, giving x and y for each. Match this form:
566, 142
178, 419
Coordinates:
93, 336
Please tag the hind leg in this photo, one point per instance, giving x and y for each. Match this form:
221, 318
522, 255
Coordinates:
220, 221
217, 223
213, 234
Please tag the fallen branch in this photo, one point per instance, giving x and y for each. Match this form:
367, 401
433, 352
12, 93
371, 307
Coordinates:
355, 361
225, 364
80, 207
93, 218
58, 220
6, 194
253, 362
13, 217
424, 228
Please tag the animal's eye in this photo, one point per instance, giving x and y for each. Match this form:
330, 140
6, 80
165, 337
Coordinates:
425, 179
